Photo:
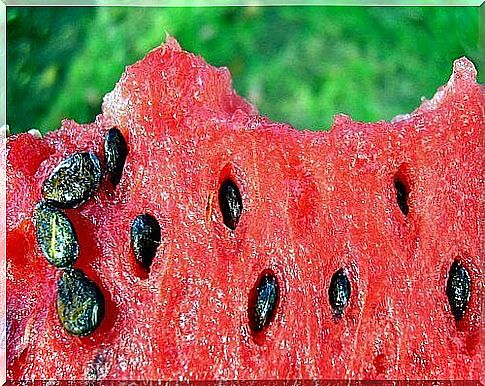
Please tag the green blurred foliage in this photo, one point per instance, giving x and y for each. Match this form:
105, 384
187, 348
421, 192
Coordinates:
296, 64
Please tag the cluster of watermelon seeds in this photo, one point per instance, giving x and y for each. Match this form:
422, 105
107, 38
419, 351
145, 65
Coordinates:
264, 295
80, 302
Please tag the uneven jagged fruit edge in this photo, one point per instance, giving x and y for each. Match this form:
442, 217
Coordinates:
463, 78
343, 121
118, 105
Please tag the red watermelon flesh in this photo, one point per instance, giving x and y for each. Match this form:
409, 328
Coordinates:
314, 202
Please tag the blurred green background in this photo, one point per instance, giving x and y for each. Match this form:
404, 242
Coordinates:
299, 65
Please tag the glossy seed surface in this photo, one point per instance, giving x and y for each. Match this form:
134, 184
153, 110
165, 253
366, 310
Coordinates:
230, 202
401, 196
115, 152
339, 291
55, 235
263, 302
145, 238
73, 181
80, 303
458, 290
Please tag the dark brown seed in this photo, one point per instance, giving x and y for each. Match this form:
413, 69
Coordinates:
115, 152
401, 196
56, 235
458, 290
80, 303
230, 202
263, 301
145, 239
73, 181
339, 291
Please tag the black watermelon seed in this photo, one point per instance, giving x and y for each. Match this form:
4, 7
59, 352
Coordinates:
145, 238
80, 303
263, 301
458, 290
339, 291
402, 196
73, 181
56, 235
115, 152
230, 202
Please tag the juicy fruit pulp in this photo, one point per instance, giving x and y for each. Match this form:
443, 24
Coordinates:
393, 205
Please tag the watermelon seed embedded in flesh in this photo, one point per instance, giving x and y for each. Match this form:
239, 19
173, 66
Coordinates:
263, 301
458, 290
402, 194
115, 152
339, 291
145, 239
80, 303
230, 202
55, 235
73, 181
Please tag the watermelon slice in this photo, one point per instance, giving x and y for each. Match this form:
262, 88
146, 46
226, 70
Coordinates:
233, 247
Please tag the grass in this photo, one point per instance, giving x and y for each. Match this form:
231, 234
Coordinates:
297, 64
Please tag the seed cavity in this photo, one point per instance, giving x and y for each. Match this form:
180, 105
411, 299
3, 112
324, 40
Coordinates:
402, 193
339, 291
115, 152
230, 202
458, 290
263, 301
80, 303
55, 235
73, 181
98, 368
145, 239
